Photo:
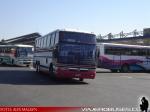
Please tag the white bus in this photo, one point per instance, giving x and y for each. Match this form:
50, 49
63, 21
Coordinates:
123, 57
66, 54
16, 54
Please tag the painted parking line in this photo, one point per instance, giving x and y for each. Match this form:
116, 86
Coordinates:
129, 77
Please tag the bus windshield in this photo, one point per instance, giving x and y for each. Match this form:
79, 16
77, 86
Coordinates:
24, 51
77, 37
77, 54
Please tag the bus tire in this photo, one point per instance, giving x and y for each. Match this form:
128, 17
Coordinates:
81, 79
12, 62
38, 67
51, 71
125, 68
114, 70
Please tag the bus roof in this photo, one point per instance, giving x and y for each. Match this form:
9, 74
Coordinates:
75, 30
67, 30
124, 45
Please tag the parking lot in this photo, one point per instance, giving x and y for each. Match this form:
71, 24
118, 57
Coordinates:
22, 86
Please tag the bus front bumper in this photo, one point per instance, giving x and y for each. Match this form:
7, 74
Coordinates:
24, 62
75, 73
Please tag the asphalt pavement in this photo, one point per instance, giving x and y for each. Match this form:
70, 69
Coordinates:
22, 86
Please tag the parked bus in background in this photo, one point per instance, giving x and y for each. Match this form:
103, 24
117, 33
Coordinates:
66, 54
123, 57
16, 54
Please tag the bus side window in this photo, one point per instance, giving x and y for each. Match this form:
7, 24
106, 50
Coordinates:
4, 50
148, 52
107, 50
144, 53
42, 43
1, 50
126, 51
56, 37
111, 51
134, 52
50, 41
38, 43
46, 41
35, 42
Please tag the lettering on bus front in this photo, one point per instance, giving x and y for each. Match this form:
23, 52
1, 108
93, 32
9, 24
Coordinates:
77, 37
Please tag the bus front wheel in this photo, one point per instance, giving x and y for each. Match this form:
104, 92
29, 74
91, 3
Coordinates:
125, 68
114, 70
27, 65
81, 79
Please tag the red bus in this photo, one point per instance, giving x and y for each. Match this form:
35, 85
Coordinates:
66, 54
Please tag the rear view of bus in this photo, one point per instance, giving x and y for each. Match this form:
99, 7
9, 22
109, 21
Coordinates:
73, 55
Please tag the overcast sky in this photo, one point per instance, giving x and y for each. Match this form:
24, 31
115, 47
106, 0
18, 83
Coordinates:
20, 17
